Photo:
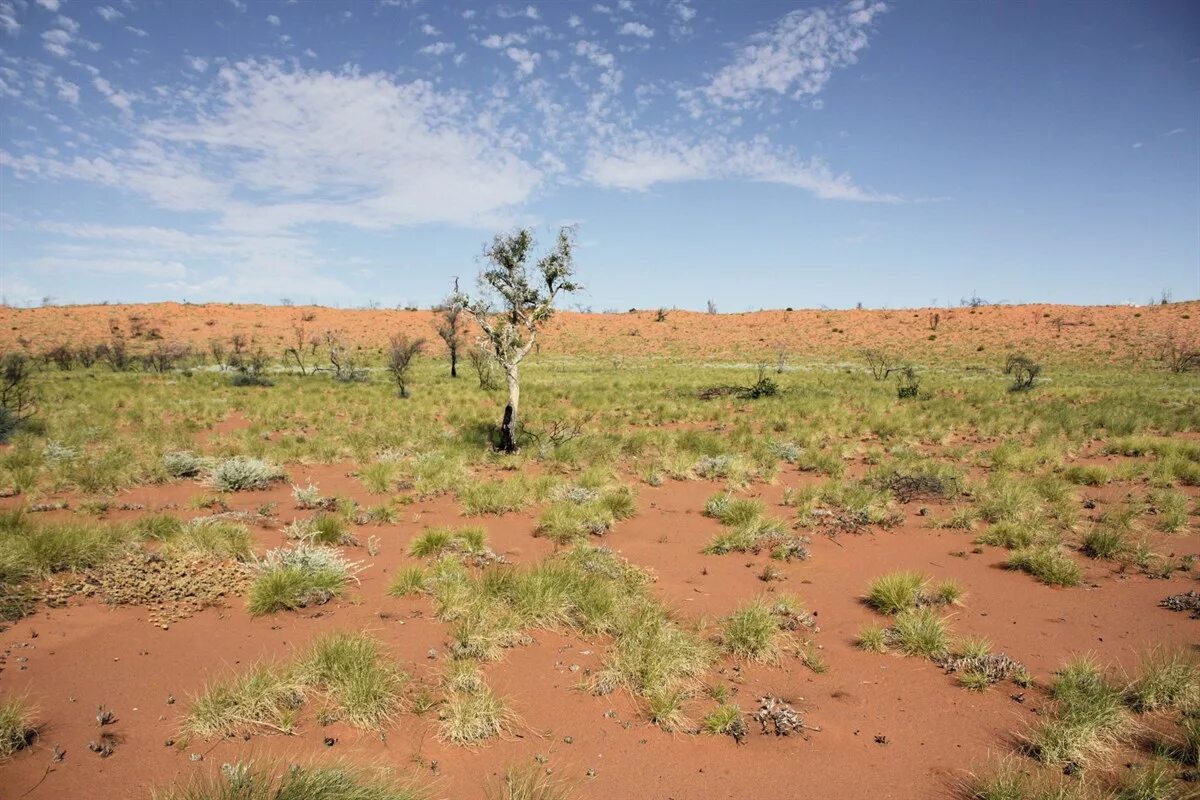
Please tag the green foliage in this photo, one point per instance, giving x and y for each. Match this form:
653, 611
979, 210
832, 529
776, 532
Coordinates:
1049, 565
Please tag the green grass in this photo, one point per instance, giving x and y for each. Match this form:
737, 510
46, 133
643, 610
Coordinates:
347, 672
250, 781
298, 577
1050, 565
1167, 679
1012, 780
328, 529
584, 513
439, 540
1013, 535
29, 550
1087, 474
354, 673
1171, 509
379, 477
503, 496
158, 527
1152, 781
903, 590
17, 729
408, 580
920, 632
1088, 719
733, 511
752, 632
895, 592
1104, 542
470, 717
212, 537
873, 638
530, 783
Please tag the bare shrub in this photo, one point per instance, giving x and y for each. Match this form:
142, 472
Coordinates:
1024, 372
880, 363
486, 368
451, 326
402, 351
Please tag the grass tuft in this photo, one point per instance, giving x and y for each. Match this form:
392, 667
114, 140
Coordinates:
247, 781
17, 730
1049, 565
752, 632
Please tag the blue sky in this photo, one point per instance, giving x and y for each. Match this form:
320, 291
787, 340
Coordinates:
760, 154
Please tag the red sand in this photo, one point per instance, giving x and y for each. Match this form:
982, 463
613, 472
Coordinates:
1125, 334
70, 660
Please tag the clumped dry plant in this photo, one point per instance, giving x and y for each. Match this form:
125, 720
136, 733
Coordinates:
243, 473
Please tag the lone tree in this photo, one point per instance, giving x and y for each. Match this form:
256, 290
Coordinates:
514, 304
1024, 372
451, 326
401, 353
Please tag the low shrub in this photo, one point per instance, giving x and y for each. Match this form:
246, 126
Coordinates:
242, 473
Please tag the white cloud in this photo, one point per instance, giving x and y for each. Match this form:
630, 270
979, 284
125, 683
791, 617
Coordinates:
437, 49
684, 11
8, 18
136, 31
1174, 132
279, 136
574, 21
497, 42
119, 99
643, 161
67, 24
525, 60
429, 30
273, 20
196, 63
109, 13
636, 29
529, 12
67, 91
796, 57
49, 5
58, 42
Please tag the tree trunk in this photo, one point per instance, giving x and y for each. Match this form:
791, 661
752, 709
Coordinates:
508, 428
453, 361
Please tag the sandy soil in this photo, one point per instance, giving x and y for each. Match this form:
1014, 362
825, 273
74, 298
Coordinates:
1091, 333
70, 660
